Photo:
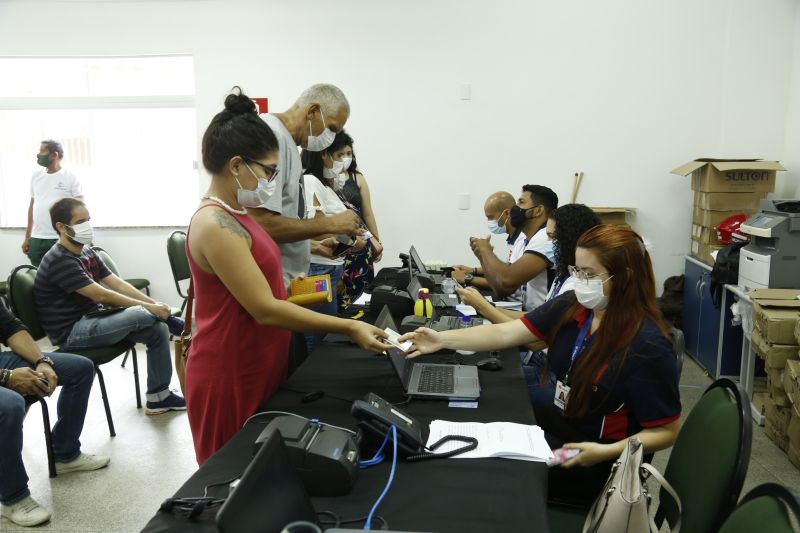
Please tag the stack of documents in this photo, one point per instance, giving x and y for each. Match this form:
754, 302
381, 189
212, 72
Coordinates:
495, 439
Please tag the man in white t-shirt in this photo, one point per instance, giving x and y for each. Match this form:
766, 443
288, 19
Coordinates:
312, 122
530, 268
48, 185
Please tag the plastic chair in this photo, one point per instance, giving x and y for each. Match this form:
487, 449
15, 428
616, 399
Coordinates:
20, 291
709, 459
141, 284
178, 262
48, 435
768, 507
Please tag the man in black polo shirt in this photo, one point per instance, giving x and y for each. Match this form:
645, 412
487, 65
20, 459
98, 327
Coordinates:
82, 304
26, 371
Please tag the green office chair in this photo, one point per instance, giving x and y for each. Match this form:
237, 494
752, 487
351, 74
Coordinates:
141, 284
178, 262
48, 434
20, 292
706, 467
769, 507
708, 462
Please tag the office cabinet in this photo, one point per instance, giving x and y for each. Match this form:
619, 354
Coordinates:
710, 338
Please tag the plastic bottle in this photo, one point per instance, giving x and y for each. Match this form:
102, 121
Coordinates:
423, 306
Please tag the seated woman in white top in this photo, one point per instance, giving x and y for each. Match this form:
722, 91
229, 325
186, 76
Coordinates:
322, 200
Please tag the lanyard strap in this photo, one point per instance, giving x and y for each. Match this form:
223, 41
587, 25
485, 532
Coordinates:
557, 284
581, 343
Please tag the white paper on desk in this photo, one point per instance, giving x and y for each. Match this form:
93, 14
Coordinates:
514, 306
364, 299
495, 439
466, 310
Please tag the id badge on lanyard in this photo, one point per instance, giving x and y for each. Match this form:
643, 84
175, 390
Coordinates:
562, 389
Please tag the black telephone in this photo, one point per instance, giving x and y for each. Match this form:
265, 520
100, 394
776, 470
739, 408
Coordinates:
376, 416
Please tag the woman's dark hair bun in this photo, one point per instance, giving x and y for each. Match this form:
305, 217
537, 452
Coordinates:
239, 103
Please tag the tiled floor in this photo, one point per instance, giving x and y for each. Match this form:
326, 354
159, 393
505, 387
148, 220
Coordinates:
152, 456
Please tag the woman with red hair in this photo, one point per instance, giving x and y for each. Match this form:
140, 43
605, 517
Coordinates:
610, 352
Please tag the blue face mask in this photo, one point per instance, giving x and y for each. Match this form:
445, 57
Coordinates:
495, 226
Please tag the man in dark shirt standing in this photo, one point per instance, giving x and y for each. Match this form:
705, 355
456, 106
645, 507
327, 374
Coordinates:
72, 289
26, 371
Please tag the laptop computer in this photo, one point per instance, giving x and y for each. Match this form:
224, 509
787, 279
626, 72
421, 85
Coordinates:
416, 263
437, 300
269, 495
429, 380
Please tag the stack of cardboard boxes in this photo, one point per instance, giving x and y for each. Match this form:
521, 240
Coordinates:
723, 188
776, 336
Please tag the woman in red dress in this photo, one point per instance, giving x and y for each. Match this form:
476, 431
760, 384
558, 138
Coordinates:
239, 355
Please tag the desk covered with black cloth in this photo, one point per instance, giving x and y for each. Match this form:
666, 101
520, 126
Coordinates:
440, 495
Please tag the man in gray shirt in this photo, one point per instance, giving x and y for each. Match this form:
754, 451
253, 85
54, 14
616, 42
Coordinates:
312, 122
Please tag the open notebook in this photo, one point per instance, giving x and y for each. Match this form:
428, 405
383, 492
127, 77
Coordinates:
495, 439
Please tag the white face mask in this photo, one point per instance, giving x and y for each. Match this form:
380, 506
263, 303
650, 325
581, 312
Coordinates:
84, 234
495, 226
318, 143
346, 162
334, 171
590, 293
258, 196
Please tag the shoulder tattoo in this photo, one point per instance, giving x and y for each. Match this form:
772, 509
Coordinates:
227, 222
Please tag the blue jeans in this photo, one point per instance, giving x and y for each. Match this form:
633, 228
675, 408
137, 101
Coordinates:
539, 394
135, 324
75, 376
330, 308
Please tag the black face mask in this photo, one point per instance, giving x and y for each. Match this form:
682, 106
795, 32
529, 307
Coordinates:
517, 216
43, 160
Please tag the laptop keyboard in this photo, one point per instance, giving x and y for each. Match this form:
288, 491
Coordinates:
437, 379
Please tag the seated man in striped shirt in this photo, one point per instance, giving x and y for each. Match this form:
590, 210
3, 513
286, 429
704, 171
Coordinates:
82, 304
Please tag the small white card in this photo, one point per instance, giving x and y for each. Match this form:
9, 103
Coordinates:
463, 404
392, 339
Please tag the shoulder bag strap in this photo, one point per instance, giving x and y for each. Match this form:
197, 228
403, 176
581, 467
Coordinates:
665, 484
187, 319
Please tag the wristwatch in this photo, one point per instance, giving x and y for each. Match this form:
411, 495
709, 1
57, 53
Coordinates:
468, 279
46, 360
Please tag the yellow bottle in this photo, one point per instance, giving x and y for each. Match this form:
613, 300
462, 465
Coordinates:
423, 306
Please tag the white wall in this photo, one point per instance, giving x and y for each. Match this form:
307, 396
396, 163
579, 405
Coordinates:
792, 150
622, 90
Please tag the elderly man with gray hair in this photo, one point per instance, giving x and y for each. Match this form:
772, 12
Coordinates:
312, 122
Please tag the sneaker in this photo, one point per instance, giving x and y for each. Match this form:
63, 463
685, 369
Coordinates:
25, 512
175, 326
84, 463
173, 402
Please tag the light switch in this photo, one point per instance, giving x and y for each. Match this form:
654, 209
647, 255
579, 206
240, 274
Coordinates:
466, 91
463, 201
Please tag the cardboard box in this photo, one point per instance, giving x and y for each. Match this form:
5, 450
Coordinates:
793, 429
797, 332
705, 235
777, 397
760, 400
779, 417
780, 439
731, 175
791, 380
613, 215
793, 451
703, 251
775, 313
741, 202
775, 378
710, 219
774, 355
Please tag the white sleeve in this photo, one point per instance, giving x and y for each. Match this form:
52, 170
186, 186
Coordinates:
76, 189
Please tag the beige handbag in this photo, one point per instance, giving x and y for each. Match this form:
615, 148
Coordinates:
624, 503
183, 343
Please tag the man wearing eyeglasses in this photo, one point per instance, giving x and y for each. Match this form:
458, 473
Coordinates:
312, 122
532, 259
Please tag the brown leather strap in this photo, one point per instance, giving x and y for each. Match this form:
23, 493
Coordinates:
187, 318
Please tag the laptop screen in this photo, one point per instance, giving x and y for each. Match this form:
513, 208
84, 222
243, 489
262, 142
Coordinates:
270, 494
416, 262
413, 288
385, 319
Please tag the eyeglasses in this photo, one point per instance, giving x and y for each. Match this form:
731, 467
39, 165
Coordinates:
582, 275
270, 171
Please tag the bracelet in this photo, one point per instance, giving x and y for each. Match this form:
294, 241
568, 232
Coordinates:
5, 375
474, 271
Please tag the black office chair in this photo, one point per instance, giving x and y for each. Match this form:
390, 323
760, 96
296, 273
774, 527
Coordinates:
20, 292
678, 346
48, 435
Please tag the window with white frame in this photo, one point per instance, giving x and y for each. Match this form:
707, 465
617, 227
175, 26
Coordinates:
128, 127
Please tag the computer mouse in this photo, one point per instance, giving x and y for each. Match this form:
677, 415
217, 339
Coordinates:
491, 363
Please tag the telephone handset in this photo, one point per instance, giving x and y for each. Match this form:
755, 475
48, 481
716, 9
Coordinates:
376, 416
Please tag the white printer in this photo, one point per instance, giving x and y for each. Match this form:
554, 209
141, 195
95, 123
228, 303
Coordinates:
772, 259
